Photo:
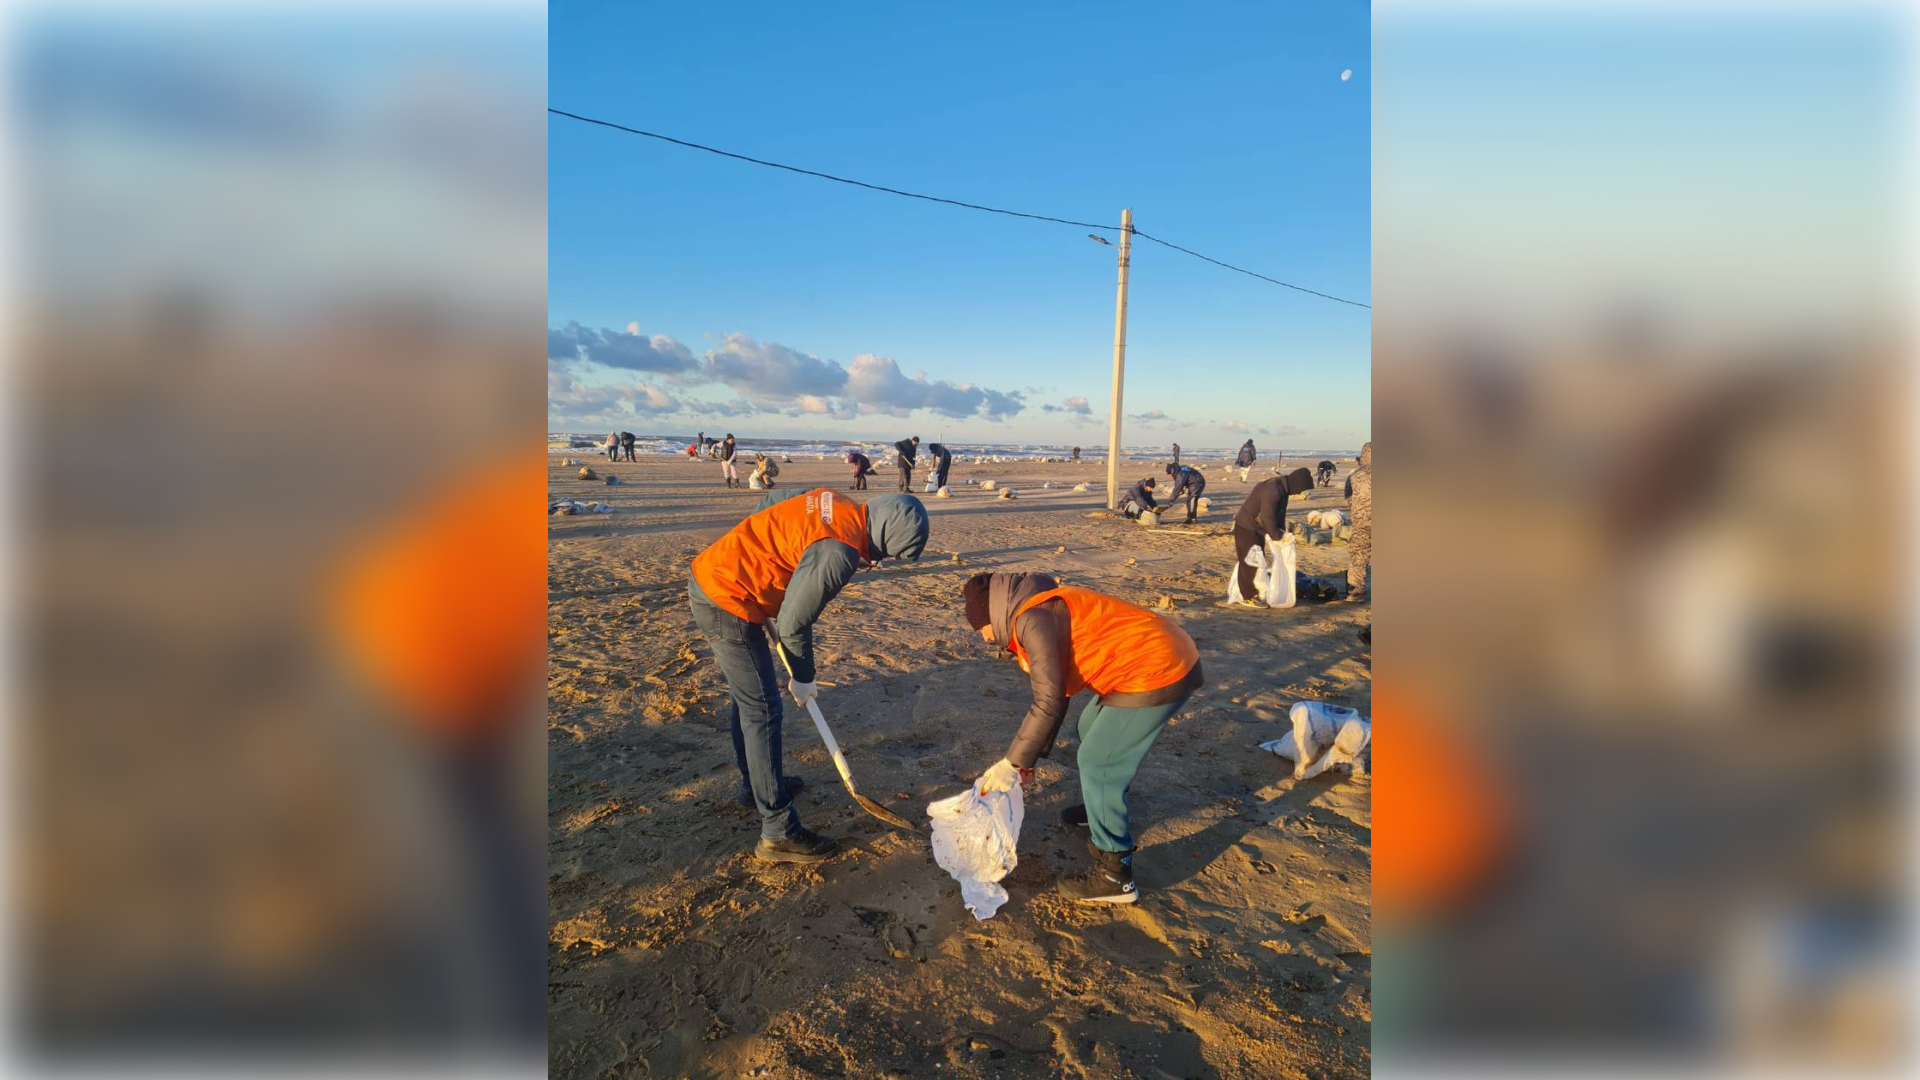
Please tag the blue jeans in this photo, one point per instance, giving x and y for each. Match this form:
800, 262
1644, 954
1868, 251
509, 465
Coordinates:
1113, 742
746, 660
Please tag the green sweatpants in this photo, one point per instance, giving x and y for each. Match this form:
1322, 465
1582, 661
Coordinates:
1113, 742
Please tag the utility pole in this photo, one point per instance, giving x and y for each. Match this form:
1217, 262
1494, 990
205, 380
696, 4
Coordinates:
1119, 363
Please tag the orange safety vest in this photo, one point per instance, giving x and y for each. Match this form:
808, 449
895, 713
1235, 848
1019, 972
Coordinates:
1118, 648
746, 571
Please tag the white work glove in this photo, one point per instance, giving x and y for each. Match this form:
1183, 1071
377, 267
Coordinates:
1003, 776
803, 692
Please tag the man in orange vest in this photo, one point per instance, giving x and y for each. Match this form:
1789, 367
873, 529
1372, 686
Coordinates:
781, 566
1141, 667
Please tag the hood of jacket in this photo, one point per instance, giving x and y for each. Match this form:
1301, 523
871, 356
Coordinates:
1005, 594
1298, 482
896, 527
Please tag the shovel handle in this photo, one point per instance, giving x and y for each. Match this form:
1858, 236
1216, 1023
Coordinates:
819, 723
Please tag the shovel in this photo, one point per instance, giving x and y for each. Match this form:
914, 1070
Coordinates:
839, 759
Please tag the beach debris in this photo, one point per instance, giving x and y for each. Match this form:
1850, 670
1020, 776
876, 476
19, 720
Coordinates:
956, 557
588, 474
1204, 504
612, 480
1164, 603
1061, 550
1324, 736
986, 485
569, 507
1008, 493
1148, 518
1131, 561
1273, 565
1045, 485
945, 492
975, 837
1081, 487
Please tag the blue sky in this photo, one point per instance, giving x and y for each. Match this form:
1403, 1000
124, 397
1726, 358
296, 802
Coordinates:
689, 291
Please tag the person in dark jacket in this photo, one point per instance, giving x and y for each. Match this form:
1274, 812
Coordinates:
1263, 517
727, 471
626, 444
1076, 453
1326, 473
907, 447
773, 574
862, 468
942, 461
1141, 667
1190, 482
1247, 456
1176, 455
1139, 498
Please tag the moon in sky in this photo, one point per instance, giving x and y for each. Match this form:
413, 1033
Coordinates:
1347, 74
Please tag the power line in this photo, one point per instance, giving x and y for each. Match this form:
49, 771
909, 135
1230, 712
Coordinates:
827, 176
948, 202
1249, 273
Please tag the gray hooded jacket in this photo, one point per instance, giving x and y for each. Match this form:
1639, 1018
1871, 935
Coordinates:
896, 529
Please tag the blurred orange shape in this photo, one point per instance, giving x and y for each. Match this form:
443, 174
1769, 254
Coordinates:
1441, 823
446, 611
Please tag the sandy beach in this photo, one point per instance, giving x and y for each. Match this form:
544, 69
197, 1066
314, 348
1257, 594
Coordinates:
673, 953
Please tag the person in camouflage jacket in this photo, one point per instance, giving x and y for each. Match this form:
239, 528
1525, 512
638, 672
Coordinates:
1360, 508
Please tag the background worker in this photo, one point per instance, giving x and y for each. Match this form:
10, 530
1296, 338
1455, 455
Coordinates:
862, 468
727, 470
1190, 482
782, 566
906, 449
942, 460
1263, 517
1139, 498
1141, 667
1360, 509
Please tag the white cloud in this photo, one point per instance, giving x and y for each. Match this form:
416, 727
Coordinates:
770, 377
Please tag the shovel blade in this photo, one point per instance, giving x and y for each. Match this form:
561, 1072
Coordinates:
881, 812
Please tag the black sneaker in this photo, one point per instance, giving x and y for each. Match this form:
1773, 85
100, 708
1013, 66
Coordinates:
802, 847
793, 784
1109, 882
1075, 815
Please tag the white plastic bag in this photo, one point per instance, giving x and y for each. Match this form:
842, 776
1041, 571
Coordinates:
932, 487
1323, 736
1273, 565
974, 837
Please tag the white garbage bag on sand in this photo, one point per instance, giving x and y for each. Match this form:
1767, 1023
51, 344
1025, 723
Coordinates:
943, 493
1323, 736
974, 837
1273, 565
1326, 519
932, 485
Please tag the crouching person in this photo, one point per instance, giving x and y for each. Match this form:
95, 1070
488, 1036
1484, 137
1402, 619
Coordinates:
1141, 667
1139, 498
781, 567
